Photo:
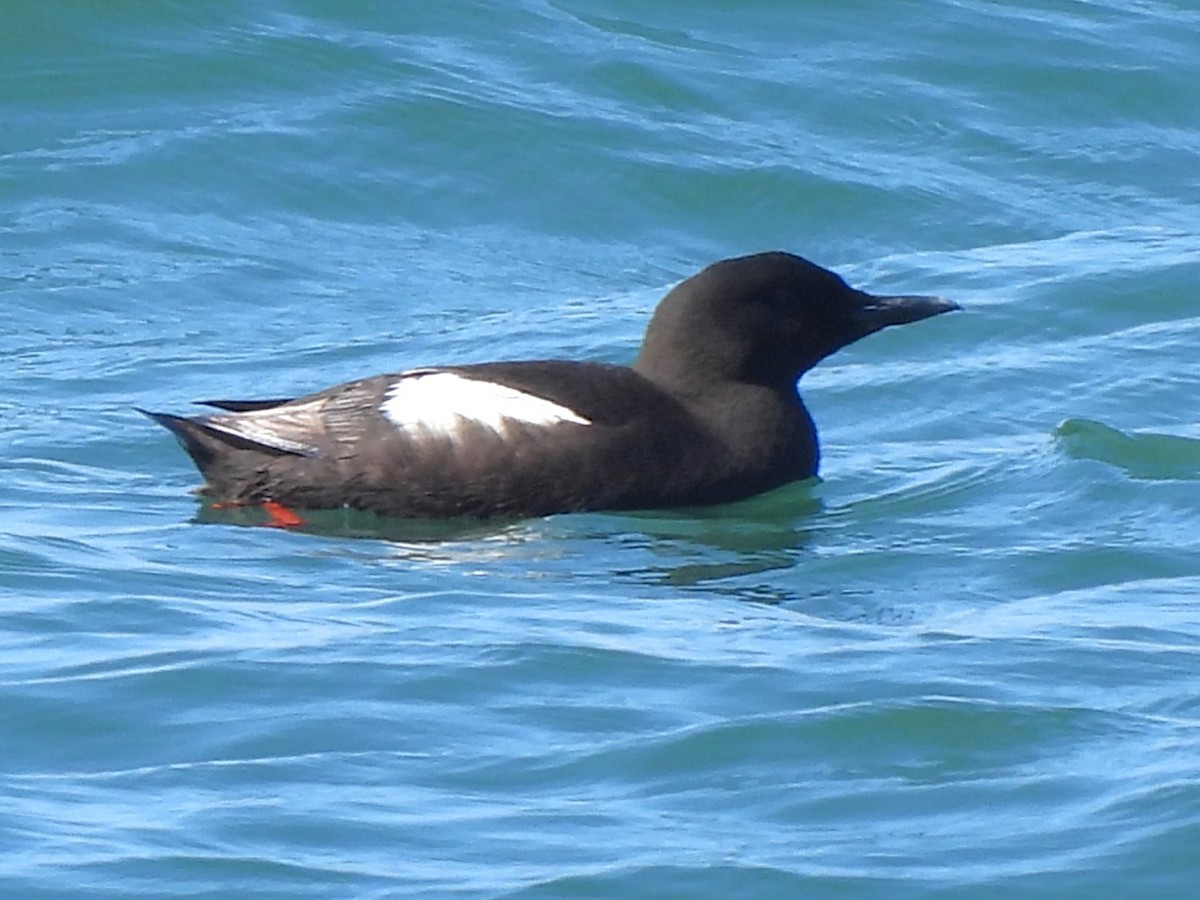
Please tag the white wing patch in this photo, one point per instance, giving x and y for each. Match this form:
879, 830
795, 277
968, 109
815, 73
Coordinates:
439, 404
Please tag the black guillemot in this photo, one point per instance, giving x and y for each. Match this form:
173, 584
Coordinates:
708, 413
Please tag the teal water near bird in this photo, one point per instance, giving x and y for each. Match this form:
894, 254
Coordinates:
1138, 454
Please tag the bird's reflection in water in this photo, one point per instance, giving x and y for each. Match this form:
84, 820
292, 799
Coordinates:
715, 545
717, 549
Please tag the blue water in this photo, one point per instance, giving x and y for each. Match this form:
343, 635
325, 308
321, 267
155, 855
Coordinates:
964, 664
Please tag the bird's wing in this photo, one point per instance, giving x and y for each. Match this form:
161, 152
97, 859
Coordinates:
431, 407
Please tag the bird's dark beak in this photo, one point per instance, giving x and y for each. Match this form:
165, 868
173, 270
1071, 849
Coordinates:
878, 312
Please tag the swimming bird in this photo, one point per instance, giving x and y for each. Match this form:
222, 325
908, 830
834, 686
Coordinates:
707, 413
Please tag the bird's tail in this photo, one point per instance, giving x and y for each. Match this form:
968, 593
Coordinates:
205, 443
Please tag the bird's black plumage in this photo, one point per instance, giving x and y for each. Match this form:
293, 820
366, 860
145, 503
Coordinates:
707, 413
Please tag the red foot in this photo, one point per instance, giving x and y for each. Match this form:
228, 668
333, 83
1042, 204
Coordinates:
279, 516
